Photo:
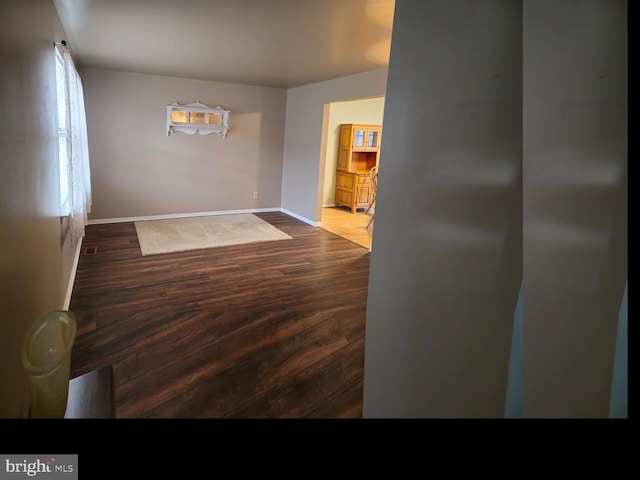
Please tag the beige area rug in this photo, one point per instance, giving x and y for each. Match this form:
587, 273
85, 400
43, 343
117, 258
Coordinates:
194, 233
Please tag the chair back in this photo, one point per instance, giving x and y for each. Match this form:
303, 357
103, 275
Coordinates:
373, 177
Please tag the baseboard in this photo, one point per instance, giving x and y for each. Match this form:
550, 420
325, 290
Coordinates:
180, 215
72, 276
300, 217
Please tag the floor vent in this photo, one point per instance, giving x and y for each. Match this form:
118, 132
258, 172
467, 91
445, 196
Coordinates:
90, 251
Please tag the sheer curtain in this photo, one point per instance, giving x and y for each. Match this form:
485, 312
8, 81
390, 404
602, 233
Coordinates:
78, 151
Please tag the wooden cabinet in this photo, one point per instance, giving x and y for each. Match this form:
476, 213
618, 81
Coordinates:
364, 137
353, 190
358, 153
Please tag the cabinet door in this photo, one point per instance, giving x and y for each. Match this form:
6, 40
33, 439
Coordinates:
366, 137
343, 159
359, 138
346, 190
363, 193
373, 138
363, 196
346, 181
344, 197
345, 136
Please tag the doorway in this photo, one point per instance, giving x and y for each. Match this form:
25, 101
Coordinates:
357, 226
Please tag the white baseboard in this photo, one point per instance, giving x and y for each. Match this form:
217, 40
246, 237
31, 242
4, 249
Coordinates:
72, 276
300, 217
180, 215
203, 214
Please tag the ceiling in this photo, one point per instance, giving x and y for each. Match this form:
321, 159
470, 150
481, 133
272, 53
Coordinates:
275, 43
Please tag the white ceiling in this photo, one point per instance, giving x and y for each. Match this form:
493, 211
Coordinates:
276, 43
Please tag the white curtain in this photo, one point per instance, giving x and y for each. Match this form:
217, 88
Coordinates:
78, 151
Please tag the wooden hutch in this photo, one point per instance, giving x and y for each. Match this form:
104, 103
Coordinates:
358, 153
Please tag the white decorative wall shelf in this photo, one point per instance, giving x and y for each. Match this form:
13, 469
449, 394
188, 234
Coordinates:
197, 118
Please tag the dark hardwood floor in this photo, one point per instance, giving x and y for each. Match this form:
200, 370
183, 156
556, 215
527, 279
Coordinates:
267, 330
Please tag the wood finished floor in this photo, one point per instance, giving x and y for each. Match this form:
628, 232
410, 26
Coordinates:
356, 227
269, 330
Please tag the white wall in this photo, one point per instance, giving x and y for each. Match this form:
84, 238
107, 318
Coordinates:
365, 111
138, 170
35, 267
510, 139
575, 202
303, 168
446, 264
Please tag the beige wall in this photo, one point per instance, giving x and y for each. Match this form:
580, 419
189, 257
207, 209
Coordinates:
303, 168
35, 267
510, 139
138, 170
446, 262
366, 111
575, 202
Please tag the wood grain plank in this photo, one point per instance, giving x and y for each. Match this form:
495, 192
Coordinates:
304, 393
224, 392
347, 404
273, 329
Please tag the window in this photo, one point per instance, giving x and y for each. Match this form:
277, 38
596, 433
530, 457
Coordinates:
63, 136
73, 148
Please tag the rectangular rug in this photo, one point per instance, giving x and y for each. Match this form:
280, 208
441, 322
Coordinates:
194, 233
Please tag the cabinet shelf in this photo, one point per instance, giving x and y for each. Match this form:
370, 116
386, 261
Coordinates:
197, 118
